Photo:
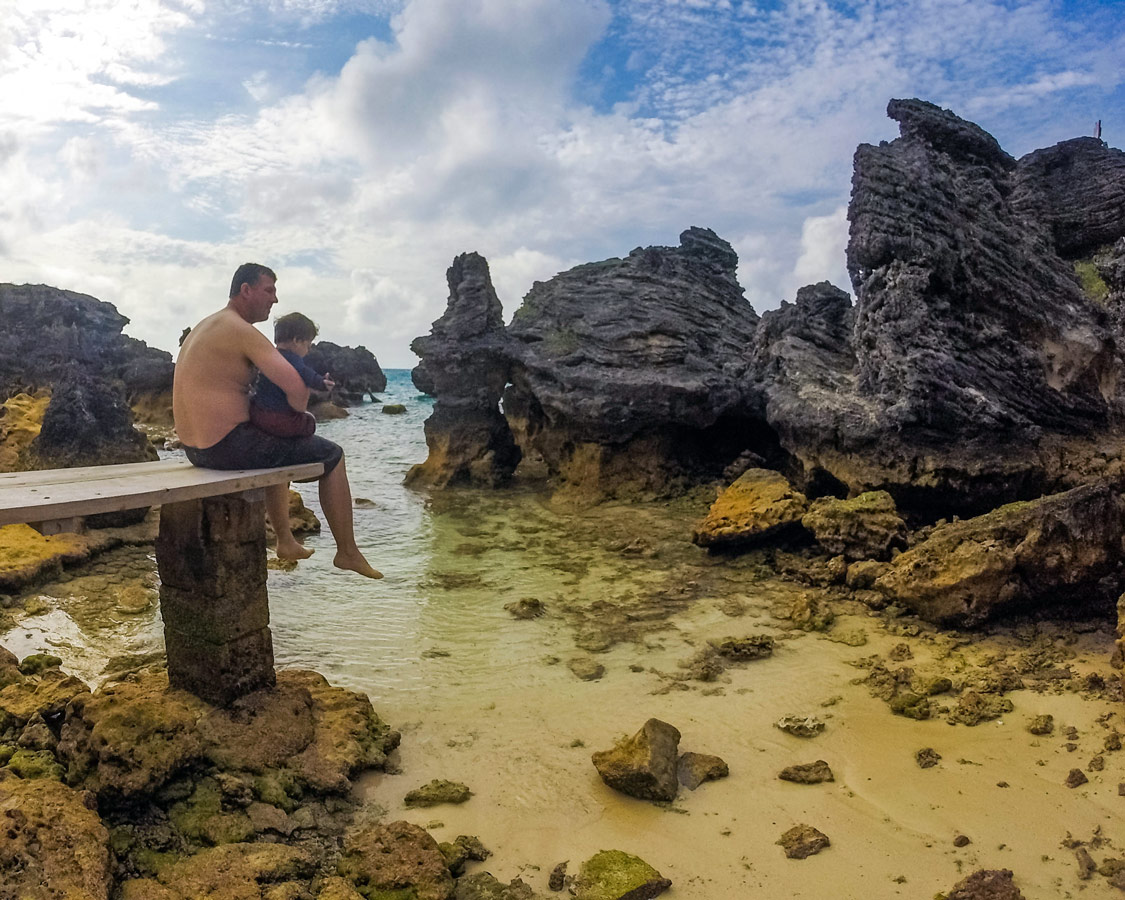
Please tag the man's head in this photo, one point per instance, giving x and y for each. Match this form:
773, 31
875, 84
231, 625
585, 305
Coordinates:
295, 331
253, 291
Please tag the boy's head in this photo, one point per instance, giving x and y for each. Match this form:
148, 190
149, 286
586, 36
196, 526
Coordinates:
294, 328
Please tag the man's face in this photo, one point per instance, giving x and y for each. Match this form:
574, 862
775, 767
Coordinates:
260, 298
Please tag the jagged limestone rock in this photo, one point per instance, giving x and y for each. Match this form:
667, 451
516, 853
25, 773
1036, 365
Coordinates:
759, 505
864, 527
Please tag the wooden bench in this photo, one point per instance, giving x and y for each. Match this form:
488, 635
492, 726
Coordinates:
210, 555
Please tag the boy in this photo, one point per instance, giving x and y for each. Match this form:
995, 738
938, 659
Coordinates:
293, 335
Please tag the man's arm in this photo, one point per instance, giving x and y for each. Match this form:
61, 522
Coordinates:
276, 368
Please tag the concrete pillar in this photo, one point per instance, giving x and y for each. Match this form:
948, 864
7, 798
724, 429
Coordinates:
211, 556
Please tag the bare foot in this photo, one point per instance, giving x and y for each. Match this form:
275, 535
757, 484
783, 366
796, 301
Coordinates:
293, 551
354, 562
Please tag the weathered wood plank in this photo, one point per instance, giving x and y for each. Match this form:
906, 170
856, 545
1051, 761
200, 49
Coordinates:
68, 493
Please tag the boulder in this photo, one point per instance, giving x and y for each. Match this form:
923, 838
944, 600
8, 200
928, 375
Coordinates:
21, 418
465, 365
1056, 550
484, 886
759, 505
89, 423
42, 696
616, 875
864, 527
396, 857
643, 766
625, 372
238, 871
54, 844
355, 370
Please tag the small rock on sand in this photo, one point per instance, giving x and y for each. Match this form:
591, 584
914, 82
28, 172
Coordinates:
1086, 864
801, 726
807, 773
526, 608
643, 766
438, 791
1041, 725
927, 758
586, 669
695, 768
802, 841
1076, 778
962, 840
986, 884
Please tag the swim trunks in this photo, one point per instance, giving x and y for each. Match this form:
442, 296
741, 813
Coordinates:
247, 447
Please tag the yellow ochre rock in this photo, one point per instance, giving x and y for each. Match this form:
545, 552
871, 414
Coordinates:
21, 418
26, 555
758, 504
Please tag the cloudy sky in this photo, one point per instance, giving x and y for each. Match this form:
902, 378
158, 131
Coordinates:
147, 147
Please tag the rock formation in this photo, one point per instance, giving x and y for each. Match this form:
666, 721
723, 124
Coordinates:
626, 371
1077, 190
93, 370
465, 367
355, 370
968, 367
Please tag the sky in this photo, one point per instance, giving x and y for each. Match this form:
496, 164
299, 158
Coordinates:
148, 147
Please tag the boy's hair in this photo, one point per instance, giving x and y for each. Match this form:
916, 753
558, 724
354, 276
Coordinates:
251, 274
294, 327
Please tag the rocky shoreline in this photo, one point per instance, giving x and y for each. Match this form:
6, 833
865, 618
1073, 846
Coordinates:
945, 453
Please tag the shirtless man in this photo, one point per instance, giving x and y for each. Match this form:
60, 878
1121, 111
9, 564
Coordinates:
211, 406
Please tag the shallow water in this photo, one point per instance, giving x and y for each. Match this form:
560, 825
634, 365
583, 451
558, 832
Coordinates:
487, 699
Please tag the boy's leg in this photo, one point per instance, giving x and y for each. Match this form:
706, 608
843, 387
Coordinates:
336, 501
277, 511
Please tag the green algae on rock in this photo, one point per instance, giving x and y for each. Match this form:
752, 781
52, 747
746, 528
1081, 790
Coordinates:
230, 872
52, 842
865, 527
616, 875
396, 860
436, 792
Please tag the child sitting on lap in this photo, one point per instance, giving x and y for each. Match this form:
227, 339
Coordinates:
269, 409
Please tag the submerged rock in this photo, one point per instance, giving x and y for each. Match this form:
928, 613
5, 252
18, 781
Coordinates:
1054, 550
759, 505
643, 766
615, 875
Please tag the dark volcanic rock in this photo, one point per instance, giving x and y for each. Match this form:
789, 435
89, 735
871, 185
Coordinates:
465, 367
354, 369
972, 336
1077, 190
48, 331
88, 423
625, 369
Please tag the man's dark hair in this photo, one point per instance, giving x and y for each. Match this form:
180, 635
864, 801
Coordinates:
249, 273
293, 327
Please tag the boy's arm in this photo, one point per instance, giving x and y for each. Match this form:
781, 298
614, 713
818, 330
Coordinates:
276, 368
309, 375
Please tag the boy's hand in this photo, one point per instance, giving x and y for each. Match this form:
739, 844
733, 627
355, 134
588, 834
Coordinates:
328, 382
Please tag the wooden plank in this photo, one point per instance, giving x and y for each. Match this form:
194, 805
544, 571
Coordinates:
85, 473
112, 488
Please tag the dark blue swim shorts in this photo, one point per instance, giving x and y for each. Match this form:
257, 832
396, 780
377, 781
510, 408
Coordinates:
248, 447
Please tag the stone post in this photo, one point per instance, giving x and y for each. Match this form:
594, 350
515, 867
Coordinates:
211, 556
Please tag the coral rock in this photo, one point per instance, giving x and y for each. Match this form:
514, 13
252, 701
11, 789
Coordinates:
760, 504
643, 766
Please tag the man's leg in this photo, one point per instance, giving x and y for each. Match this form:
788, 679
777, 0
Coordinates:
336, 501
277, 511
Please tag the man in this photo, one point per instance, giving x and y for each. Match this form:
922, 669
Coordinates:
211, 406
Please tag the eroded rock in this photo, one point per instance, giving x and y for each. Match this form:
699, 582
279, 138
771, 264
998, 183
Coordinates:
397, 856
986, 884
803, 841
643, 766
759, 505
695, 768
865, 527
615, 875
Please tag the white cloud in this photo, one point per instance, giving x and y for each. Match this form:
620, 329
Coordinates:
823, 242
